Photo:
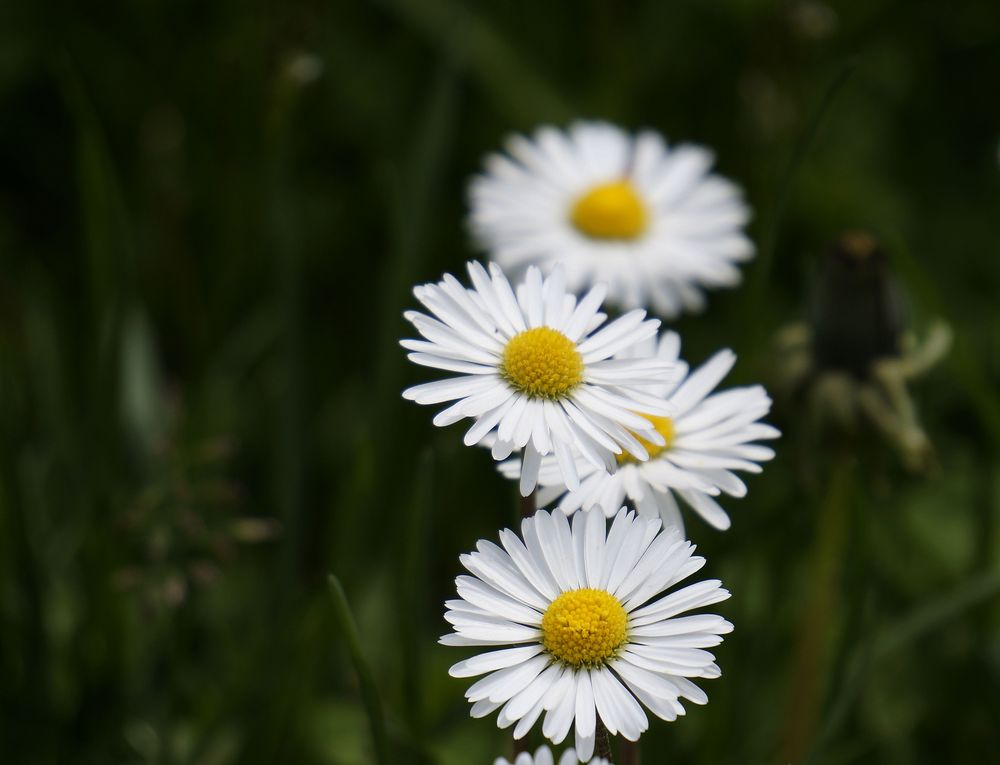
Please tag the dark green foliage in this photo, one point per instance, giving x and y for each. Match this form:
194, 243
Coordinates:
211, 214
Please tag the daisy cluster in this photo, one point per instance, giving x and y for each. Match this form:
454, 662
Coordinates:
583, 620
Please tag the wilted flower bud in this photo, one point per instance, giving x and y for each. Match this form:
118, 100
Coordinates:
856, 311
852, 361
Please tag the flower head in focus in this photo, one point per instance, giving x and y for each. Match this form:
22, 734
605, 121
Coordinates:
535, 370
708, 436
650, 221
580, 631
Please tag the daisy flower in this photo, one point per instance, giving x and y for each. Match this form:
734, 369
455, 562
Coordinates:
707, 437
535, 372
582, 634
543, 756
650, 221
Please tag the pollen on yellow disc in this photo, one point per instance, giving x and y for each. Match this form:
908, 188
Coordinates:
542, 362
665, 427
584, 628
610, 211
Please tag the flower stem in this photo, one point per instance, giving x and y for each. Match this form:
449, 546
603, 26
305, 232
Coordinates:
602, 741
628, 753
810, 664
366, 680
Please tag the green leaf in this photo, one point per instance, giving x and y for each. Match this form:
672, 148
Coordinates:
369, 691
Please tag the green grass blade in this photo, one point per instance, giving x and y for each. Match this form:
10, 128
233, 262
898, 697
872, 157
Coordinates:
412, 586
936, 613
415, 202
466, 37
369, 692
921, 622
765, 262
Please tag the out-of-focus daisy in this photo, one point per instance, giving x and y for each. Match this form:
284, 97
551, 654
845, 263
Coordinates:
707, 437
535, 372
650, 221
543, 756
583, 635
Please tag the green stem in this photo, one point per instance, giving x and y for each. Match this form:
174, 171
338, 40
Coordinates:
369, 691
811, 657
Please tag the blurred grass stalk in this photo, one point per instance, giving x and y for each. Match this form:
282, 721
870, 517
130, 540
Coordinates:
922, 621
760, 279
412, 207
412, 594
470, 40
369, 691
283, 229
809, 667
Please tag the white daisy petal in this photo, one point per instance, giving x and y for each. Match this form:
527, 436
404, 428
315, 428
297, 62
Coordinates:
651, 682
698, 442
611, 334
501, 450
525, 365
449, 364
504, 578
483, 708
476, 592
704, 593
529, 469
651, 221
585, 746
525, 701
491, 634
582, 651
539, 576
486, 422
666, 709
559, 719
586, 710
707, 508
484, 287
703, 380
593, 546
618, 704
504, 683
567, 465
491, 399
448, 390
579, 321
494, 660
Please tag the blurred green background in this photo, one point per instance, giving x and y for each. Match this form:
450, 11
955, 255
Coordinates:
211, 215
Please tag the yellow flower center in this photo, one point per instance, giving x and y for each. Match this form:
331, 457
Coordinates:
610, 211
542, 362
665, 427
584, 628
